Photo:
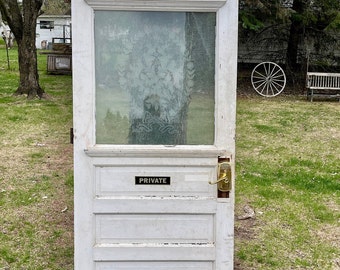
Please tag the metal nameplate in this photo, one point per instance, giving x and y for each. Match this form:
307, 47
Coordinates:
152, 180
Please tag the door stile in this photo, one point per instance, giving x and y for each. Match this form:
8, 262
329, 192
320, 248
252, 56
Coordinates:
226, 68
83, 121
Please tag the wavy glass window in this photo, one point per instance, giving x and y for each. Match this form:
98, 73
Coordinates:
155, 77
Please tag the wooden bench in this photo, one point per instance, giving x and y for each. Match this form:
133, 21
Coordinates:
323, 84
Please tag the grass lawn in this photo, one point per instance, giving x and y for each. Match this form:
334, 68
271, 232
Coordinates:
36, 180
288, 171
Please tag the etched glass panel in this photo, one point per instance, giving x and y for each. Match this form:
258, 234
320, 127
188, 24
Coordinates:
154, 77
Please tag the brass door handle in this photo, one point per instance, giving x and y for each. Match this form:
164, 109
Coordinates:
224, 177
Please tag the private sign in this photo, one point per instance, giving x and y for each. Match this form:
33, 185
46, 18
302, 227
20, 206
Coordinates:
152, 180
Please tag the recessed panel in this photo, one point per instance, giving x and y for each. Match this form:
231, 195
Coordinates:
154, 265
180, 181
155, 228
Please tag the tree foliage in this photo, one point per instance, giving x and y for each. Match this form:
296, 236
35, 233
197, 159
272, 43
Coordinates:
300, 21
53, 7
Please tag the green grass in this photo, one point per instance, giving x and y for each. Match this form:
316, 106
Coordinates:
36, 182
288, 170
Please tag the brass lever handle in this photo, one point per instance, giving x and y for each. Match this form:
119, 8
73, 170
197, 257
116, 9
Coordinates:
224, 177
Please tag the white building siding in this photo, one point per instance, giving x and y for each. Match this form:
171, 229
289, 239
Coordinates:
52, 26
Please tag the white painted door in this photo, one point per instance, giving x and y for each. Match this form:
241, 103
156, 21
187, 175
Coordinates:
154, 114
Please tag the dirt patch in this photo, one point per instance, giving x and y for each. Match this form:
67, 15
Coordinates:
244, 230
330, 234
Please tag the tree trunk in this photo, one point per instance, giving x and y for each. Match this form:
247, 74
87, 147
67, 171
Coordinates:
29, 77
23, 26
295, 34
28, 66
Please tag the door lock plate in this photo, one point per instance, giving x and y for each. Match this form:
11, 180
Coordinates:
224, 179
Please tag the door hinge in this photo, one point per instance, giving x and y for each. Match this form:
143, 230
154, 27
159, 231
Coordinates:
71, 135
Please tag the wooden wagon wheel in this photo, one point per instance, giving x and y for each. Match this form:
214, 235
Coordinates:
268, 79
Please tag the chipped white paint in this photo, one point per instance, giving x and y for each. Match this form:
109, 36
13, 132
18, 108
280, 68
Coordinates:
120, 225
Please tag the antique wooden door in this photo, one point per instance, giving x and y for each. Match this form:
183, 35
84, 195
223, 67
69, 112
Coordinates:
154, 134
